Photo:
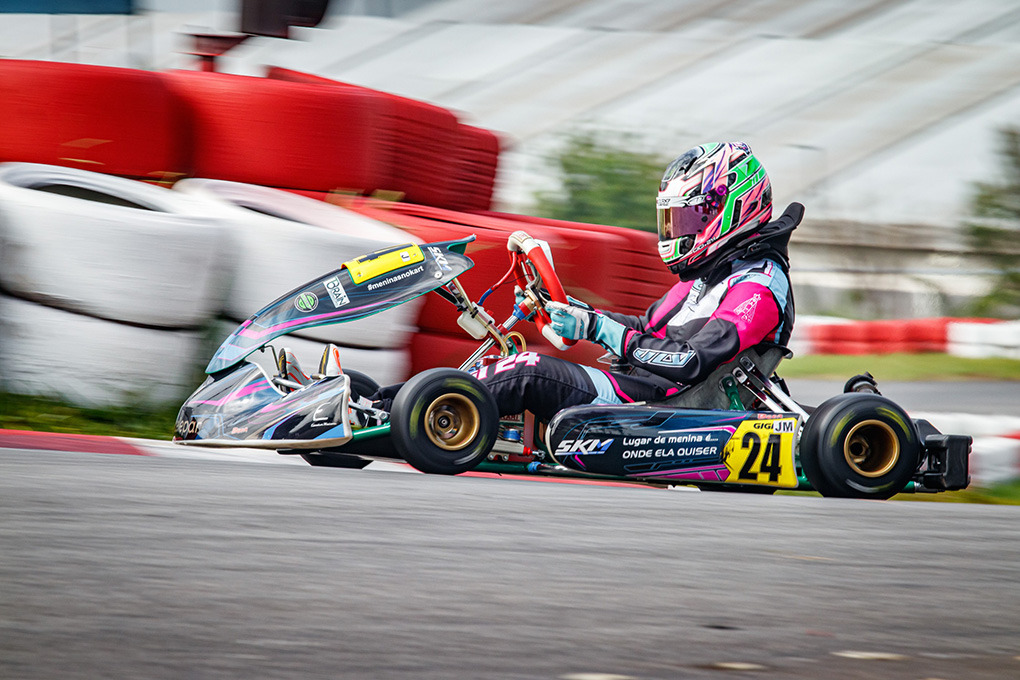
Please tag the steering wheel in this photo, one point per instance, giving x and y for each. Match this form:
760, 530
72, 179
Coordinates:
531, 253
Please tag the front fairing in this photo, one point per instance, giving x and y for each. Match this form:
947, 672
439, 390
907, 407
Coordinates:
359, 288
242, 408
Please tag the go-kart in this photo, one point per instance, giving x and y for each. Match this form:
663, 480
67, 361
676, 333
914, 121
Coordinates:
737, 430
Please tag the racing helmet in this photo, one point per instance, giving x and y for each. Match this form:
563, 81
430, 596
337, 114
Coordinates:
710, 198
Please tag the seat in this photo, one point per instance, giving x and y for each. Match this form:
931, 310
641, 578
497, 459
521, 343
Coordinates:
290, 369
710, 393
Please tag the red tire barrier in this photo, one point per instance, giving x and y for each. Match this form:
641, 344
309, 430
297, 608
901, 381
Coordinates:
417, 142
885, 336
926, 335
859, 337
474, 169
284, 134
116, 121
888, 337
824, 338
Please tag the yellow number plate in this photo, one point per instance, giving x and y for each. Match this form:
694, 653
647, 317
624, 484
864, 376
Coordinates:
370, 266
761, 452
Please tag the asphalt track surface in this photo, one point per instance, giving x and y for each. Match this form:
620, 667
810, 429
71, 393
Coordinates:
115, 566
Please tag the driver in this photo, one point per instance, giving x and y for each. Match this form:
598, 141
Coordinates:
714, 207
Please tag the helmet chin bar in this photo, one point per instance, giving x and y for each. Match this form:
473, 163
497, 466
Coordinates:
704, 267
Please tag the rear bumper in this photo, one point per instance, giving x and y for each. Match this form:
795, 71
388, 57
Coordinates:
945, 463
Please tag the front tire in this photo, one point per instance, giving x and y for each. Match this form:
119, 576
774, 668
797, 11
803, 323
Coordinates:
444, 421
859, 445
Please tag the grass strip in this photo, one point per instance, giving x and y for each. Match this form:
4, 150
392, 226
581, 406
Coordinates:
901, 367
43, 414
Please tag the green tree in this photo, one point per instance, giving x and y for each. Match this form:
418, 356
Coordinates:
997, 205
603, 184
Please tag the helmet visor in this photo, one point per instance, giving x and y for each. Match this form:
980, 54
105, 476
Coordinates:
677, 221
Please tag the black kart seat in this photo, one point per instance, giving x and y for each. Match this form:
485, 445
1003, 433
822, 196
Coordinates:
710, 393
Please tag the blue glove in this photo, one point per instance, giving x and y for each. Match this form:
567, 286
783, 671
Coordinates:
610, 334
574, 302
568, 322
575, 323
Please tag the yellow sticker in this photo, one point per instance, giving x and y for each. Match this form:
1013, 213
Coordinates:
376, 264
761, 452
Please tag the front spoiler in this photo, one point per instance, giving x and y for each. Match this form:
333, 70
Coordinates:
265, 443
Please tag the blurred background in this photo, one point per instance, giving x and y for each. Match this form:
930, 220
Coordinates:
893, 121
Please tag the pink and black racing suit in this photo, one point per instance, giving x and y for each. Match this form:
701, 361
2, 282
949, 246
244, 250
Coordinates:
695, 327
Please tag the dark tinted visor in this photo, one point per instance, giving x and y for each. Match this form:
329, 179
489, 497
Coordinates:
686, 220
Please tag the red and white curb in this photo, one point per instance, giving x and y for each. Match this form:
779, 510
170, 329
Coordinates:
84, 443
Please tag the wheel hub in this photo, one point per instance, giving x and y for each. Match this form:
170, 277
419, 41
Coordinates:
452, 422
871, 448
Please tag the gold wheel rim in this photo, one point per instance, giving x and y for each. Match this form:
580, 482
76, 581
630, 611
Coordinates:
452, 422
871, 448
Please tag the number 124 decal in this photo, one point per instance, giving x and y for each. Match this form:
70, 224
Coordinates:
761, 452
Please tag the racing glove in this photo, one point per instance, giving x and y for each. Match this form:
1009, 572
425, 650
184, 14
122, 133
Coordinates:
574, 302
576, 323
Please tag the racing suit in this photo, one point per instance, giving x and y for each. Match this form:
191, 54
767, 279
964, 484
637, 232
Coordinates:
695, 327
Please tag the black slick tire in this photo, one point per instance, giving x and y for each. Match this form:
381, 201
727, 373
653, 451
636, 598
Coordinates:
444, 421
859, 445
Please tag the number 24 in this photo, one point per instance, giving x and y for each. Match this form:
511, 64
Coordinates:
771, 462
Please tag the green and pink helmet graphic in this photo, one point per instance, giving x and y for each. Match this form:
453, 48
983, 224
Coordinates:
711, 196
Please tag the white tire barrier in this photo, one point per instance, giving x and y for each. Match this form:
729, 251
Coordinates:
994, 460
92, 362
972, 424
108, 247
982, 340
282, 240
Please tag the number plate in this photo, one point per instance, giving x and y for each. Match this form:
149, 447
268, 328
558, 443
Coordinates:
761, 452
370, 266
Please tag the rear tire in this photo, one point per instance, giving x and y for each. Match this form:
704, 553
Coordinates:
859, 445
444, 421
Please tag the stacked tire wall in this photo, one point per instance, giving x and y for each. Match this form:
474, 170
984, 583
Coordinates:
111, 120
107, 285
289, 130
